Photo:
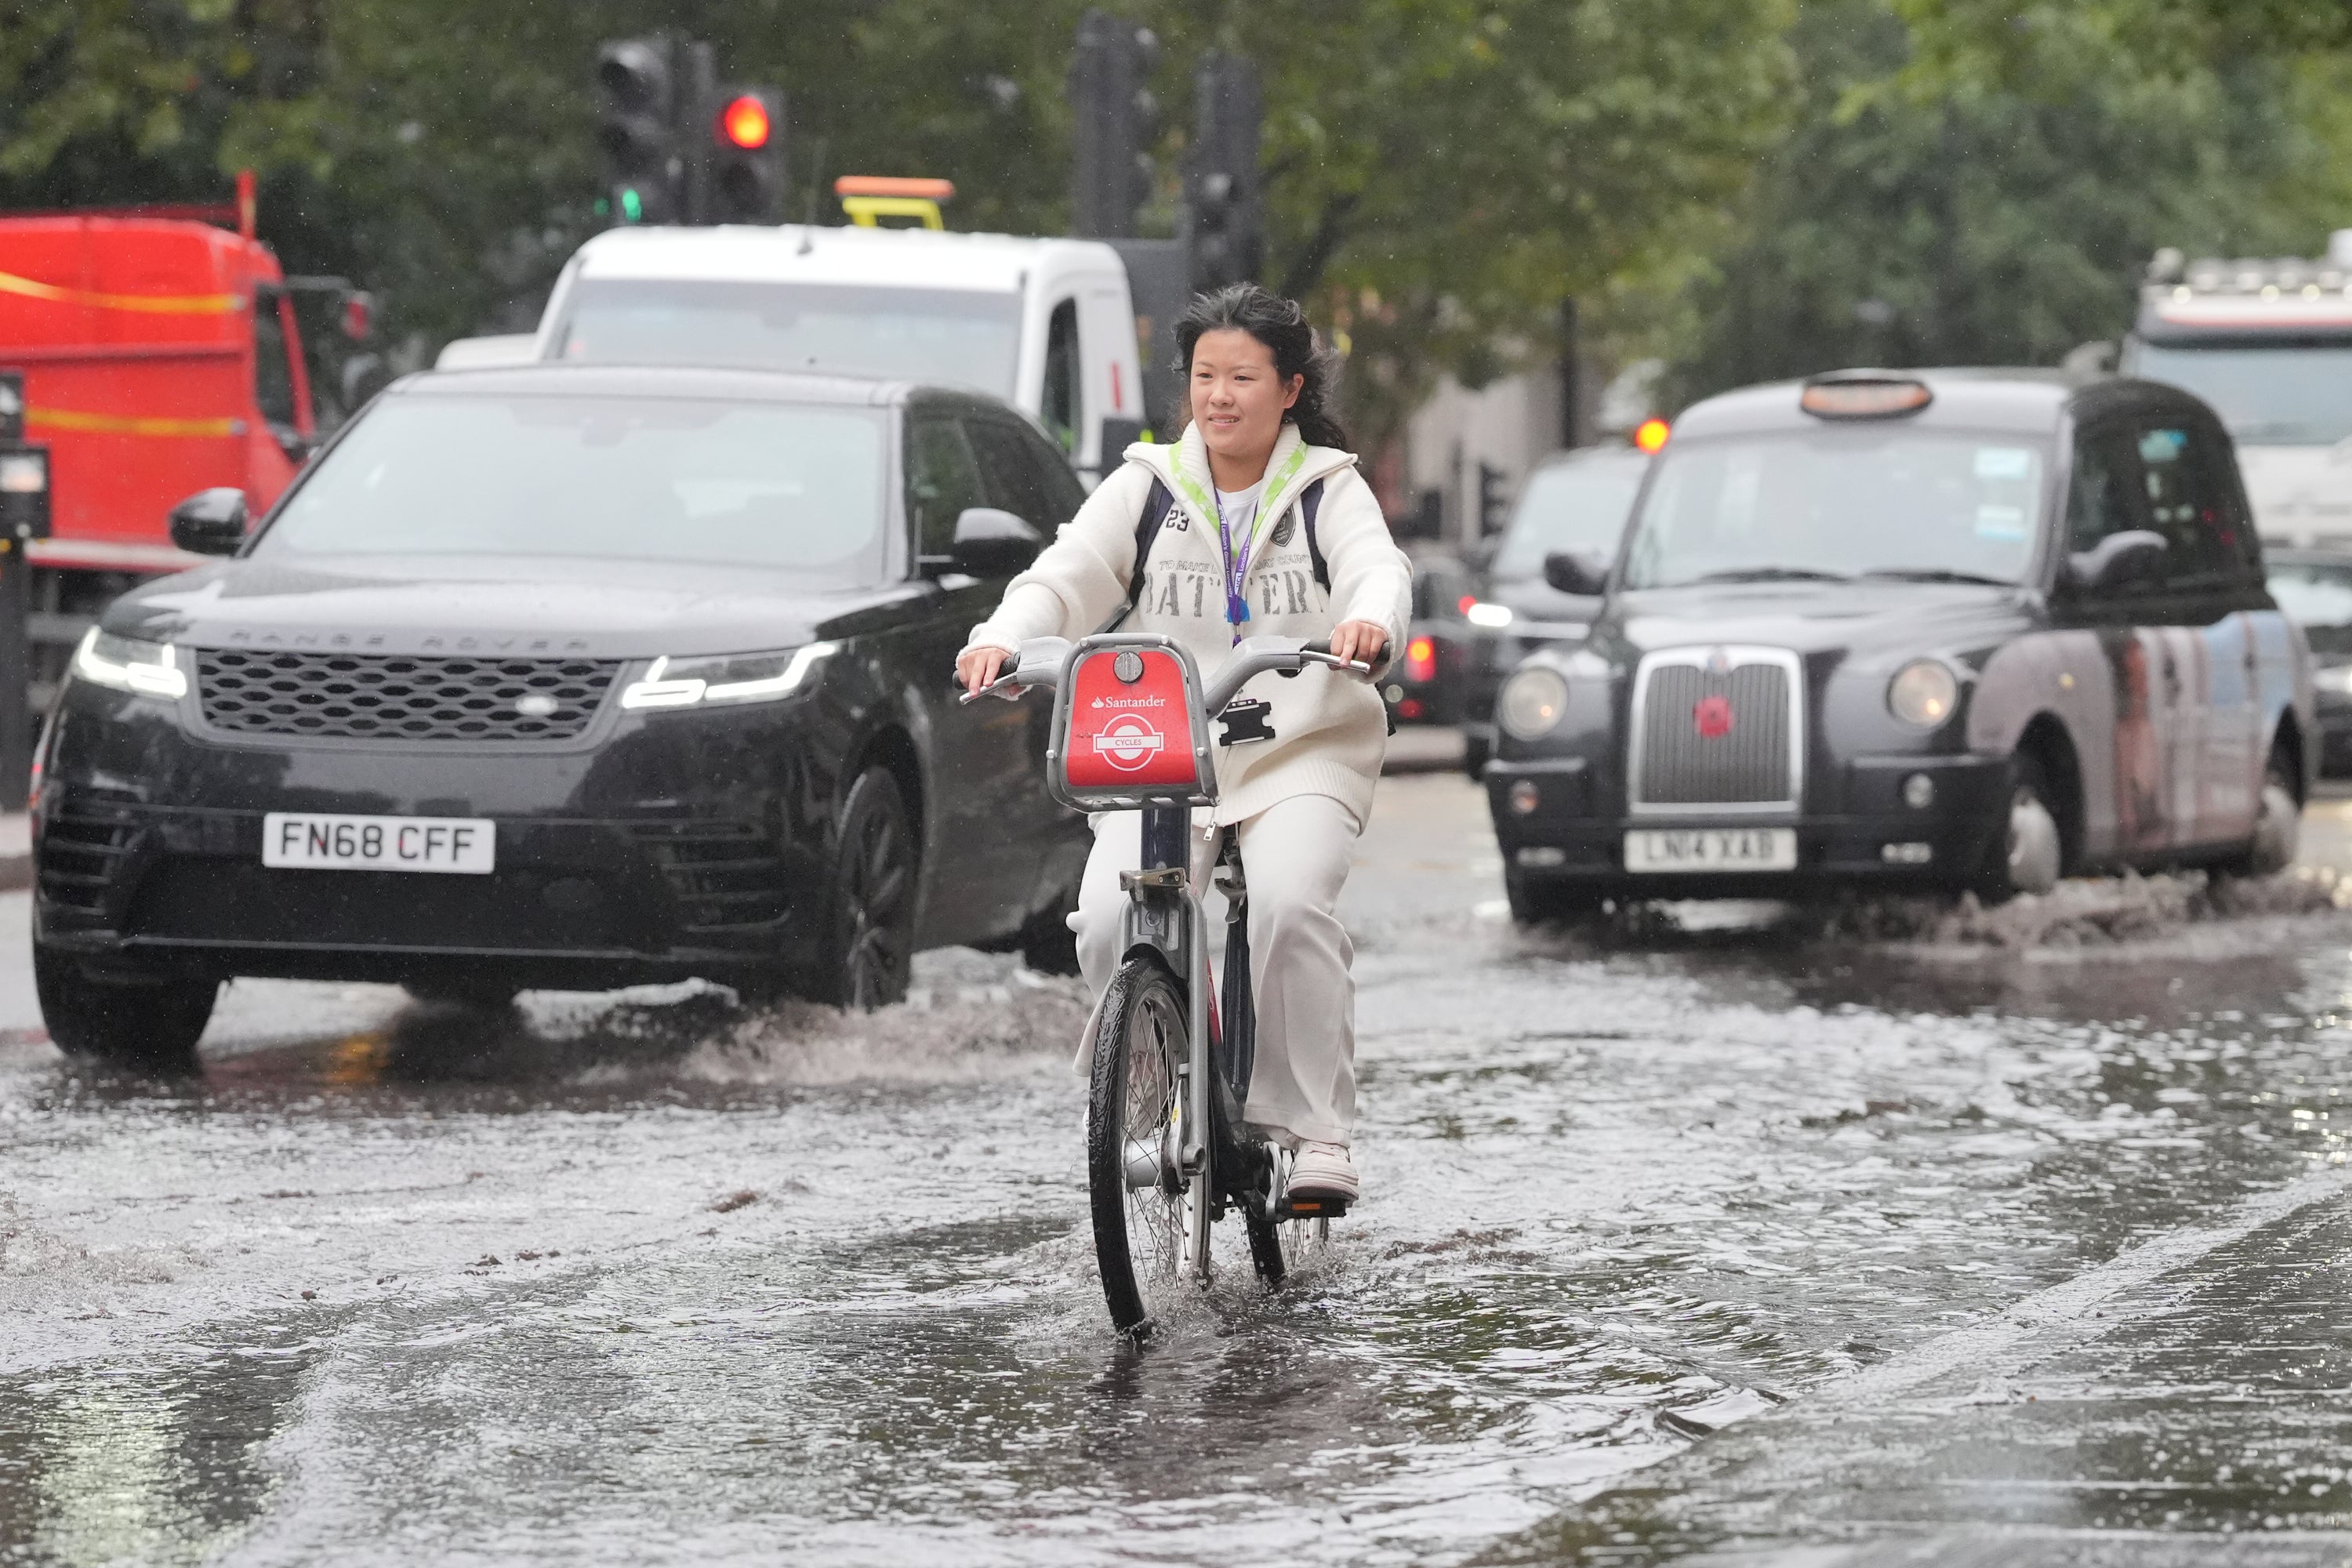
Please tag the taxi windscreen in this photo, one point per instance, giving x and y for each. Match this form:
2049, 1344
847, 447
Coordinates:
945, 337
1834, 504
795, 486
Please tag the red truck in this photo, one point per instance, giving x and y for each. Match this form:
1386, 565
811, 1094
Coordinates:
161, 357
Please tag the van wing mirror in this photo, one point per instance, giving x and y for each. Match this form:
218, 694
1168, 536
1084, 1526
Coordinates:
992, 543
210, 522
1118, 436
1576, 572
2120, 559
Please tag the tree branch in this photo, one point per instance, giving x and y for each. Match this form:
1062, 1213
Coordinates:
1306, 268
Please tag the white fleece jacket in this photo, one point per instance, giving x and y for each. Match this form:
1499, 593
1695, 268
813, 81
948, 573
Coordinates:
1330, 729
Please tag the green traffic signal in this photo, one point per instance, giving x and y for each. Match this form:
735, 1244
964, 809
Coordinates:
632, 205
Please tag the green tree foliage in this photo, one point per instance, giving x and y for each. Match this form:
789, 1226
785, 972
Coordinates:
1441, 173
1966, 206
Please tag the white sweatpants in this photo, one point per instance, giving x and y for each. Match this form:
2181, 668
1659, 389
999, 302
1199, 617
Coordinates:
1295, 856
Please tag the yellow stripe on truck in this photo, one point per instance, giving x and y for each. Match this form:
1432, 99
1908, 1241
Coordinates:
146, 304
126, 425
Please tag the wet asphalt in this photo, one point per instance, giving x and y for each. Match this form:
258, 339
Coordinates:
1716, 1236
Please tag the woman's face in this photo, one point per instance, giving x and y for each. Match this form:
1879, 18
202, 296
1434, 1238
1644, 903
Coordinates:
1238, 401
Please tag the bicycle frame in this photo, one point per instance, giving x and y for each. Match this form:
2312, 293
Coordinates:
1130, 732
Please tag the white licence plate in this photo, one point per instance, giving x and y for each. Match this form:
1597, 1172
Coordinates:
315, 841
1711, 849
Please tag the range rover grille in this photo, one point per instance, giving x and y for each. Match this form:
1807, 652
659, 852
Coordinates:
1715, 738
377, 697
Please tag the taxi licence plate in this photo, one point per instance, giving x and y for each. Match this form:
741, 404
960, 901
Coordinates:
320, 841
1711, 849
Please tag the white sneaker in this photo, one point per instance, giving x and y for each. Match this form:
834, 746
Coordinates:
1322, 1172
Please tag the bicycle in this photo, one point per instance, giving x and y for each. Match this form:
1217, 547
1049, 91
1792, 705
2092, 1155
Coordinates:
1168, 1153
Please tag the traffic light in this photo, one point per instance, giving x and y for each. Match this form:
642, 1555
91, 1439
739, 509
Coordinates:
1224, 211
1493, 509
1111, 173
746, 170
636, 122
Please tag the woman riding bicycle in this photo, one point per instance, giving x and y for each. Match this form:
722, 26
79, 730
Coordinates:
1266, 529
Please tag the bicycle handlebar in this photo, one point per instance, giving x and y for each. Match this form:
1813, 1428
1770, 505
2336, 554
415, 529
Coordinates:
1040, 661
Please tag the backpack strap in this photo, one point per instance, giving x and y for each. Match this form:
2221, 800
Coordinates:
1309, 504
1156, 508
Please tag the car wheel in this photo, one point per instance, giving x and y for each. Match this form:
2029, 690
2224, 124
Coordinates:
2027, 854
149, 1025
870, 924
2278, 826
1048, 945
1533, 903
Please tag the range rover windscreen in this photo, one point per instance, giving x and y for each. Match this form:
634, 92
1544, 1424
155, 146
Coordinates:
1837, 504
794, 486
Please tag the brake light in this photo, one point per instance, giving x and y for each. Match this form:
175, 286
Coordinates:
1465, 603
1650, 435
1420, 659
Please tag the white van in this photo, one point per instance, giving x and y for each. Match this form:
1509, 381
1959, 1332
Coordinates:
1045, 324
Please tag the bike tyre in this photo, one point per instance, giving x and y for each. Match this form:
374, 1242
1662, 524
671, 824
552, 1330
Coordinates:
1142, 1236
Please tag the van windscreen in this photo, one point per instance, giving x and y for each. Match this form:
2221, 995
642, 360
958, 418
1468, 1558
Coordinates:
941, 336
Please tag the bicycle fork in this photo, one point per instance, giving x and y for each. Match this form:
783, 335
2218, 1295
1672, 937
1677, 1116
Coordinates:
1164, 913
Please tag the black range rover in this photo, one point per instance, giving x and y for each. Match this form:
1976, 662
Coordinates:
564, 676
1950, 629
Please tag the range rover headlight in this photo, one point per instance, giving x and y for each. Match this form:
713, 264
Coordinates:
1532, 702
128, 664
1923, 692
725, 678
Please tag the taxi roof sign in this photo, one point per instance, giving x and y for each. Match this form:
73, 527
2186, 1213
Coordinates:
1865, 394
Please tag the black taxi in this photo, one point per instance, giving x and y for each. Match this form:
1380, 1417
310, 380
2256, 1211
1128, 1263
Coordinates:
1938, 629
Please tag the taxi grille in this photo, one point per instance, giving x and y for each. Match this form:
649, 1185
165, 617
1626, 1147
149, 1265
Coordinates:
1746, 765
372, 697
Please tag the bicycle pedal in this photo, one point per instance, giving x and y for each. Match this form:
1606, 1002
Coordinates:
1333, 1208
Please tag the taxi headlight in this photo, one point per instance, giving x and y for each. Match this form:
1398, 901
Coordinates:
1923, 692
1532, 702
127, 664
1494, 617
725, 677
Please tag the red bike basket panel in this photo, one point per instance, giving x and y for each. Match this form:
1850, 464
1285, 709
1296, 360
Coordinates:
1128, 735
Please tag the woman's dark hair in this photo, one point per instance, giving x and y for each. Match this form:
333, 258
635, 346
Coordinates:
1281, 326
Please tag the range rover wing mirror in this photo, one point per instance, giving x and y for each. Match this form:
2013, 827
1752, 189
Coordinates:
2119, 560
1576, 572
991, 543
210, 522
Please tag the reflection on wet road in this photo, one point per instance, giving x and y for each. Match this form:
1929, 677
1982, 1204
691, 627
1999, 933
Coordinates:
1679, 1244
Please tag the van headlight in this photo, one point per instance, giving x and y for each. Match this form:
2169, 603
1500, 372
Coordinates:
127, 664
725, 677
1532, 702
1923, 692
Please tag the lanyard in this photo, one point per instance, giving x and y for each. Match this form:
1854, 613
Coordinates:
1237, 609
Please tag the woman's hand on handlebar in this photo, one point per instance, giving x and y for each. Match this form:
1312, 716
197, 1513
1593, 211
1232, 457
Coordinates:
977, 668
1361, 641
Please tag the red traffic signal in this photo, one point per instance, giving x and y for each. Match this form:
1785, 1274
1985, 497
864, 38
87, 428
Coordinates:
744, 122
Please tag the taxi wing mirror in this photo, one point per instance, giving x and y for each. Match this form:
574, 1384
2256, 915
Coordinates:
210, 522
991, 543
1576, 572
2135, 555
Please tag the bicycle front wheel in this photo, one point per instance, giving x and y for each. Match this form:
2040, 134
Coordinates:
1143, 1209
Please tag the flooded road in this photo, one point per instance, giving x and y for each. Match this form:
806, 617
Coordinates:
1714, 1240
